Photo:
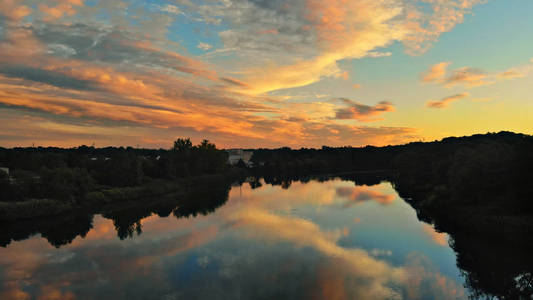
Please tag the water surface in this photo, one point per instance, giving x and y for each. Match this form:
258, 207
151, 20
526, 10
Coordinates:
313, 240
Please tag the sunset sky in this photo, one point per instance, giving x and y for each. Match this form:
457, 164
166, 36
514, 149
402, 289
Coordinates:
262, 73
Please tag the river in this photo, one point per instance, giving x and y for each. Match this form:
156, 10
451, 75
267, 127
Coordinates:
319, 239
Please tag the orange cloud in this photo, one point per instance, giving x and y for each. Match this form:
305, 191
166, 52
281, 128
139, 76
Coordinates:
131, 82
426, 25
436, 72
466, 76
304, 233
344, 75
445, 102
13, 10
63, 7
517, 72
362, 112
510, 74
351, 30
424, 281
471, 77
361, 194
337, 25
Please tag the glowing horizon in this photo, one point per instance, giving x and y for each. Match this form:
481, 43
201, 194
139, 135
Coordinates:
262, 73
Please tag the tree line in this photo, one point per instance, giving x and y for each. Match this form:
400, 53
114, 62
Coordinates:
456, 170
69, 174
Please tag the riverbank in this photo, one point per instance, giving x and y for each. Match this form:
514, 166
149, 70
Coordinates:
93, 200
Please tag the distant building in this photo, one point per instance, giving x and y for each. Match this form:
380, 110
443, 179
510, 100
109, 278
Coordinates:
239, 154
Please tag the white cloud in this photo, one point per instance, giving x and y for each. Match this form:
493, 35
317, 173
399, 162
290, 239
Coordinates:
378, 54
169, 8
204, 46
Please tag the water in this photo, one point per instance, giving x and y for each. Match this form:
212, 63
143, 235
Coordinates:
314, 240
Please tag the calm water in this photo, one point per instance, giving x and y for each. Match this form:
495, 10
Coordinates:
314, 240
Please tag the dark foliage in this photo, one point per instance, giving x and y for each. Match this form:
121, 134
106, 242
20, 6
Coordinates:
200, 199
470, 170
69, 174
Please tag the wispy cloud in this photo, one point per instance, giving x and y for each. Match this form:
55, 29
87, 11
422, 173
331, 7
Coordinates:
471, 77
169, 8
312, 36
446, 101
436, 73
426, 25
465, 76
204, 46
362, 112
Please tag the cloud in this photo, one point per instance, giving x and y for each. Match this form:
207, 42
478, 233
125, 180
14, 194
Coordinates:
362, 112
471, 77
169, 8
517, 71
436, 73
204, 46
445, 102
204, 249
334, 32
378, 54
62, 7
359, 194
321, 33
427, 20
234, 81
112, 45
13, 10
510, 74
303, 233
50, 77
344, 75
97, 66
466, 76
424, 281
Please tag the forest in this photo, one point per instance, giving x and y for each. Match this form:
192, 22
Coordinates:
456, 170
51, 180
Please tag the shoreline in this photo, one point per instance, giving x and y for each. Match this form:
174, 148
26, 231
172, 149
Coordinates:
95, 200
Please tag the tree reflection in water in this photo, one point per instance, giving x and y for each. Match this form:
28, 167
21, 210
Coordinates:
494, 256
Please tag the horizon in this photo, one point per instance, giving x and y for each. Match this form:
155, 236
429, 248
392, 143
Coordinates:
272, 148
262, 74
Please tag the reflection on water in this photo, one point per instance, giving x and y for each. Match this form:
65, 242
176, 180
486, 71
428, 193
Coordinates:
326, 239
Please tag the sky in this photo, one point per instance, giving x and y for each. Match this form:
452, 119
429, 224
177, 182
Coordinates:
262, 73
